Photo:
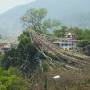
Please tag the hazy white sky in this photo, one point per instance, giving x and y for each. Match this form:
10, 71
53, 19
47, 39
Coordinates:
8, 4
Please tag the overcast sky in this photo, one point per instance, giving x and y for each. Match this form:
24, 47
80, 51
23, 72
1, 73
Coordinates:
8, 4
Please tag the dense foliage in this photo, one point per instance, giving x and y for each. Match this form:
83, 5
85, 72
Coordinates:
81, 34
25, 56
36, 19
10, 81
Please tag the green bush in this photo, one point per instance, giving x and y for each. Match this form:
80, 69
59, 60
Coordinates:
10, 81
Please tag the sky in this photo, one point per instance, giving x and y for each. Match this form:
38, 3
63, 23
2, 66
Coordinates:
5, 5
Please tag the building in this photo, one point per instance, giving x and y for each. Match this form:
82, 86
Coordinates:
68, 42
6, 45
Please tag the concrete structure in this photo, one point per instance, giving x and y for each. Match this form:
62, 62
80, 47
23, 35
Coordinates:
68, 42
6, 45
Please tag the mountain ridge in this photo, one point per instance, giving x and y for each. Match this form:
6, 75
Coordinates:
70, 13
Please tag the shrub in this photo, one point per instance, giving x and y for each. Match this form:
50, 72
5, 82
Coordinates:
10, 81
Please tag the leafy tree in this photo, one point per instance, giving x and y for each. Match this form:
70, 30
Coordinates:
60, 31
86, 35
36, 20
81, 34
25, 57
10, 81
28, 54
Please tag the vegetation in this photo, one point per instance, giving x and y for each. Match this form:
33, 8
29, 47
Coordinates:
25, 57
26, 68
82, 35
0, 36
60, 31
10, 81
35, 19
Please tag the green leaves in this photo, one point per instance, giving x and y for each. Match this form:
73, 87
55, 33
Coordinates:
10, 81
33, 18
59, 31
25, 57
36, 20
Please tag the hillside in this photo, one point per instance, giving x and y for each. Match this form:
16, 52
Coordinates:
53, 70
71, 13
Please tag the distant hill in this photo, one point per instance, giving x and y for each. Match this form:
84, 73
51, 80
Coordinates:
69, 12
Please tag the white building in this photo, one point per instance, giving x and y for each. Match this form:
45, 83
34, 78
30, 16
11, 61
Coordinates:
68, 42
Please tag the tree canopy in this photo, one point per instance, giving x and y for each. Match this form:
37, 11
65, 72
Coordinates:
10, 81
36, 19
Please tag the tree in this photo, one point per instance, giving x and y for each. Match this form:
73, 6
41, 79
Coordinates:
60, 31
28, 54
36, 20
81, 34
10, 81
25, 57
85, 47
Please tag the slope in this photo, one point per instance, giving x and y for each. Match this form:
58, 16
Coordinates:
72, 13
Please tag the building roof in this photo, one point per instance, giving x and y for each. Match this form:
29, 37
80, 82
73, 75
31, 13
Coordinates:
8, 41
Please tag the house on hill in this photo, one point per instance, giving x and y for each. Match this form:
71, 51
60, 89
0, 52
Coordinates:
6, 45
68, 42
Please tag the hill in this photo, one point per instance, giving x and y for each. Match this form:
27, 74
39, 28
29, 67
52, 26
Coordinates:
71, 13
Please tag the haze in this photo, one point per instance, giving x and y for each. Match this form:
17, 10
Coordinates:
5, 5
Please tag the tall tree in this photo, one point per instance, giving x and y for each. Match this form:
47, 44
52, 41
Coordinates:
36, 20
33, 19
60, 31
25, 56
